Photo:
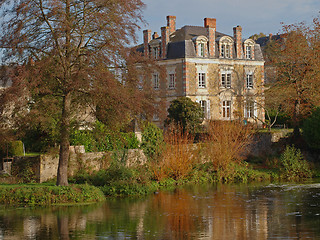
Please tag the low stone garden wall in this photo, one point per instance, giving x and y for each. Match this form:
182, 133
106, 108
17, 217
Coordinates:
44, 167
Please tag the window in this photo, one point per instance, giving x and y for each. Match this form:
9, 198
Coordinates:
203, 105
225, 50
140, 83
172, 81
226, 80
202, 80
226, 109
156, 52
201, 49
249, 81
156, 81
249, 109
248, 52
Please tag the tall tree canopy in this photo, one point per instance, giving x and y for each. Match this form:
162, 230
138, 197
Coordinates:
70, 54
296, 60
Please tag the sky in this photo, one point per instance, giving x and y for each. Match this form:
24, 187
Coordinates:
254, 16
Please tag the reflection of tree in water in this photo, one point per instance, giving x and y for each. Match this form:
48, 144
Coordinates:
178, 210
220, 212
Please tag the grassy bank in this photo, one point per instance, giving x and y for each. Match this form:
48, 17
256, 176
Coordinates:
119, 180
44, 194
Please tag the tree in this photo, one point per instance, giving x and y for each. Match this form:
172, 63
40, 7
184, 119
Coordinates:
186, 113
69, 56
295, 57
311, 129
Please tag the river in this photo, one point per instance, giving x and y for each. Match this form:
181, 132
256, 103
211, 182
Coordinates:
239, 211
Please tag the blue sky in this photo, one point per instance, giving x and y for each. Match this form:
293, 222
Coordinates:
254, 16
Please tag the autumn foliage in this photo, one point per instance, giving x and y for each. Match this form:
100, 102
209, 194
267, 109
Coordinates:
226, 143
178, 156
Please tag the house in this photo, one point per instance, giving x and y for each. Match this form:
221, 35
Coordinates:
225, 74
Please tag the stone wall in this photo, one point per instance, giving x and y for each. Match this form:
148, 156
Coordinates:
45, 166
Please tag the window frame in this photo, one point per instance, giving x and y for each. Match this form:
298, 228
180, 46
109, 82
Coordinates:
226, 109
202, 80
249, 109
226, 80
172, 81
249, 81
156, 81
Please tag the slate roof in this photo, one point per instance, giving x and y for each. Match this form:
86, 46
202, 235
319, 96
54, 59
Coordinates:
182, 46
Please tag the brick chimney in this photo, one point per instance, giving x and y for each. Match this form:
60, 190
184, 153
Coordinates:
146, 40
237, 34
164, 41
210, 24
171, 23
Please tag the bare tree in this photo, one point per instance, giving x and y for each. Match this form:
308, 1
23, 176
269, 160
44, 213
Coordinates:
68, 54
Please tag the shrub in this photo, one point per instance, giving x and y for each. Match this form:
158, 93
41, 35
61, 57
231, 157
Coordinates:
226, 143
102, 139
16, 148
185, 113
293, 165
152, 141
311, 129
48, 195
177, 158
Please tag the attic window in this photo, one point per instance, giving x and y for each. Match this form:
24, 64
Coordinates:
201, 49
225, 45
248, 52
249, 49
201, 45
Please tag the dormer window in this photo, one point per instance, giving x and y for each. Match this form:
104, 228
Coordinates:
201, 49
225, 44
248, 52
155, 48
156, 52
201, 45
249, 49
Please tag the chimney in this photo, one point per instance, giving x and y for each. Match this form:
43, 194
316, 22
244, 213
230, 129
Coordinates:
164, 41
155, 35
210, 24
171, 23
237, 34
146, 40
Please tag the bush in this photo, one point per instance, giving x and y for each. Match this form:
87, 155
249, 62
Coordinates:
16, 148
293, 165
185, 113
226, 143
102, 139
311, 129
152, 141
177, 158
48, 195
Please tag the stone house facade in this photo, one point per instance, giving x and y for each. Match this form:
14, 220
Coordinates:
225, 74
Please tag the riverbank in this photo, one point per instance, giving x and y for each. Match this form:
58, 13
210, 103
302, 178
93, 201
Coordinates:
119, 181
48, 194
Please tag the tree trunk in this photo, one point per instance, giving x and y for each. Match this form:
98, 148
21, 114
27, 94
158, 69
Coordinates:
296, 115
62, 175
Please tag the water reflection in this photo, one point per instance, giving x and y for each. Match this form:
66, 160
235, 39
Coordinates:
204, 212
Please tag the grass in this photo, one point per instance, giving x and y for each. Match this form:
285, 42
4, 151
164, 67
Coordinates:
48, 194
